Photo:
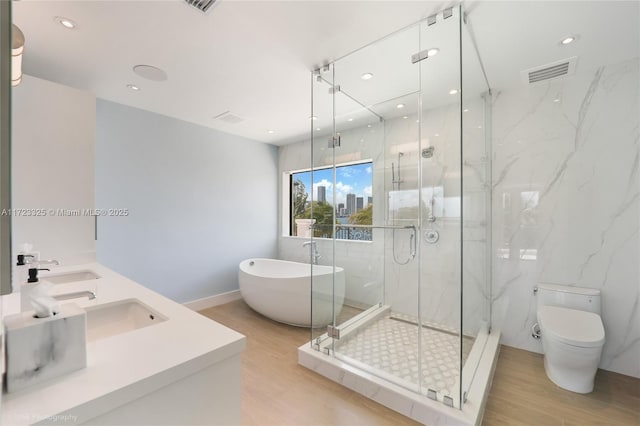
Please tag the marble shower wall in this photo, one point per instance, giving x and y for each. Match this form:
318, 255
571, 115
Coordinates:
439, 271
566, 203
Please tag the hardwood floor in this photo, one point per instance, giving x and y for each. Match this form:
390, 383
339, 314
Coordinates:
277, 391
522, 394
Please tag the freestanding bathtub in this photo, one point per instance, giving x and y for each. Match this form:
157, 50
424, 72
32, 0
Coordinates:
281, 290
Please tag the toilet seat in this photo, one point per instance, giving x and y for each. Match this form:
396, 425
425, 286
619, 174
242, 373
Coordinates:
572, 327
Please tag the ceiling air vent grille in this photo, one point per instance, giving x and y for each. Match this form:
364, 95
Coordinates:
229, 118
202, 5
552, 71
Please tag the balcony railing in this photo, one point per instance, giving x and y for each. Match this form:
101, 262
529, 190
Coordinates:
344, 232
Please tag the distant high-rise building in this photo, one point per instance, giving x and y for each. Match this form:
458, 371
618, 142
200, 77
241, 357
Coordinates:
369, 201
359, 203
322, 194
340, 209
351, 204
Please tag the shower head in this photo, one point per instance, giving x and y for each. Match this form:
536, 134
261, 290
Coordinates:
428, 152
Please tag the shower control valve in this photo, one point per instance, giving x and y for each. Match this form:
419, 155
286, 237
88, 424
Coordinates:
431, 236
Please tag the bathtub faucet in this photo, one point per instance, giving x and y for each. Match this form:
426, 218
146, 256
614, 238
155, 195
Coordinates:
314, 251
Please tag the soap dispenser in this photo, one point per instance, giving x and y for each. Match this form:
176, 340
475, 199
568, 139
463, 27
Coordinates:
28, 287
23, 263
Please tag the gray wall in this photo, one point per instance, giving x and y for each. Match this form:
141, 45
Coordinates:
199, 201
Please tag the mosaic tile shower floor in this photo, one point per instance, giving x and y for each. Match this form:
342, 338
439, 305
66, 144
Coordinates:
390, 344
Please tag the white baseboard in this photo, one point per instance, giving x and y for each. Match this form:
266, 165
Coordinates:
210, 301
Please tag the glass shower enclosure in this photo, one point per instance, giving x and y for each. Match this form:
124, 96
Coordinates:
410, 304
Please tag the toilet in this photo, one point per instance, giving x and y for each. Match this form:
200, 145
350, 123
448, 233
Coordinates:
572, 334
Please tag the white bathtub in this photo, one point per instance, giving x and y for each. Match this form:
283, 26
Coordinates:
281, 290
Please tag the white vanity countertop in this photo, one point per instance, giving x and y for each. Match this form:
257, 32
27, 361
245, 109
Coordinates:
123, 367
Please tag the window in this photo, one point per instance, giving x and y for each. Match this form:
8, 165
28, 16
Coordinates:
352, 208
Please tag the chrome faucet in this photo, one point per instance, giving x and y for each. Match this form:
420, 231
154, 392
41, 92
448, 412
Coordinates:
89, 294
314, 251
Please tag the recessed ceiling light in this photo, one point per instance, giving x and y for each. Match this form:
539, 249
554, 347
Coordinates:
349, 119
271, 131
453, 91
432, 52
417, 121
437, 134
150, 72
314, 118
405, 117
133, 87
399, 106
568, 40
479, 127
369, 125
465, 110
556, 100
366, 76
65, 22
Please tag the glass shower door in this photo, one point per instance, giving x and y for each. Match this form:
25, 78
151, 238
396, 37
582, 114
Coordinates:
440, 186
376, 117
319, 216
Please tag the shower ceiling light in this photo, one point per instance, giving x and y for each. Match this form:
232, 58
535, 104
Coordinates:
133, 87
453, 91
65, 22
568, 40
366, 76
399, 106
432, 52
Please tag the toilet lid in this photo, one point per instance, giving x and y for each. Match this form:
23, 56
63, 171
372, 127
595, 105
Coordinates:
570, 326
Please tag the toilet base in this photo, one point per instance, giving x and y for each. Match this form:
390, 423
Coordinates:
570, 379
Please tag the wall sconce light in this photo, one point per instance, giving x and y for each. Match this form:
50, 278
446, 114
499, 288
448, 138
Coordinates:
17, 47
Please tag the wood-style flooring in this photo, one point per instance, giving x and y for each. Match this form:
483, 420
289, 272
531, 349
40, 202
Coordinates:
277, 391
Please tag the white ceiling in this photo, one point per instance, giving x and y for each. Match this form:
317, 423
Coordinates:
254, 58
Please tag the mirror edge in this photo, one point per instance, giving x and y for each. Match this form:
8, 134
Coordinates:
5, 147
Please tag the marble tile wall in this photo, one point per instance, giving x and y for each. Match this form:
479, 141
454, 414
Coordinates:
566, 193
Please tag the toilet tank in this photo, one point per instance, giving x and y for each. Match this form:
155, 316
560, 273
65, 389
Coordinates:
580, 298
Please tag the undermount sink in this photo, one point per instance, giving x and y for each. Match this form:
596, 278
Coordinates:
119, 317
71, 277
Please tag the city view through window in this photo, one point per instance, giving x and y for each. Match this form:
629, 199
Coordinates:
353, 204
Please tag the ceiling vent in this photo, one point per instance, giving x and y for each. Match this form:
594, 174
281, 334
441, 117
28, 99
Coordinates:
202, 5
229, 118
552, 71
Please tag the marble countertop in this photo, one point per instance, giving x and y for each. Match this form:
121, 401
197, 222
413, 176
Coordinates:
123, 367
